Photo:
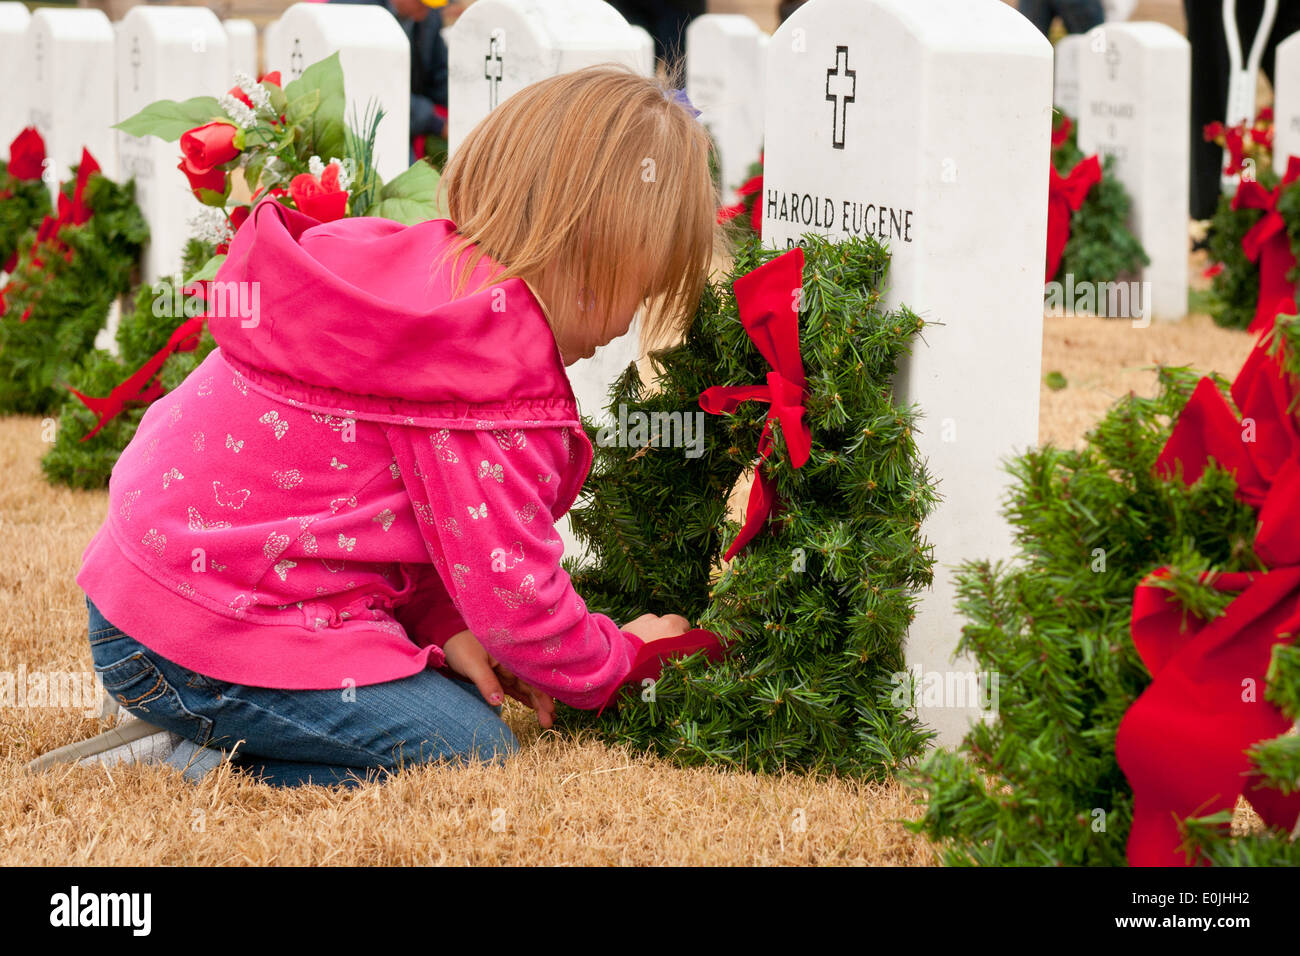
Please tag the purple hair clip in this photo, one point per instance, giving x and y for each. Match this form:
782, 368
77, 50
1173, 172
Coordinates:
679, 96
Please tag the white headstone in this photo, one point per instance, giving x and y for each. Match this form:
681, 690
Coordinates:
647, 50
69, 65
1135, 105
927, 126
1065, 84
242, 35
172, 53
14, 20
497, 47
269, 43
376, 59
1286, 102
724, 80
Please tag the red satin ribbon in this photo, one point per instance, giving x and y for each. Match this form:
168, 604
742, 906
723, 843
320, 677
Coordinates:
140, 388
1059, 136
1182, 743
650, 658
752, 186
72, 212
1064, 197
767, 299
1267, 243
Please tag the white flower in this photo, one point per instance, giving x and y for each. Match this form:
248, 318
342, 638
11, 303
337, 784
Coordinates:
209, 224
347, 171
255, 92
237, 111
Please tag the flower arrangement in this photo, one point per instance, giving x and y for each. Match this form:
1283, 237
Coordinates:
289, 142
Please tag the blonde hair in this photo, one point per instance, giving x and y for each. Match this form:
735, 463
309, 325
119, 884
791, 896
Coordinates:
598, 172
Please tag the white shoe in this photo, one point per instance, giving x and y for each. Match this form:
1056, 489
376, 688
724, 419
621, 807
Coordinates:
135, 741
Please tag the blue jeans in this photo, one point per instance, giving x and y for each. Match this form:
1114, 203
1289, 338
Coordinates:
293, 737
1079, 16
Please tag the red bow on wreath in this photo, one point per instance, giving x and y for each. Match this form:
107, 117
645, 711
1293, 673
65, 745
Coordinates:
1182, 743
72, 212
1268, 244
768, 301
140, 388
1062, 133
752, 187
1064, 197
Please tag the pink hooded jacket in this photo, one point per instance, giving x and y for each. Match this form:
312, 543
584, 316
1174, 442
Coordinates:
362, 468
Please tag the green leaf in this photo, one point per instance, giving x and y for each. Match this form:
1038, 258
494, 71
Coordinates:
208, 269
411, 197
278, 99
168, 119
324, 127
301, 108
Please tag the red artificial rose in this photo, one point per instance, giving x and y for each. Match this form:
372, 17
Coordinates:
210, 145
273, 78
322, 199
27, 155
240, 95
238, 216
209, 185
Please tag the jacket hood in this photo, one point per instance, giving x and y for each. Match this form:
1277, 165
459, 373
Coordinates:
360, 311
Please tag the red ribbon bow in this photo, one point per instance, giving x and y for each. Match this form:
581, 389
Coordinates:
1062, 133
1182, 743
767, 299
72, 212
1064, 197
1267, 243
140, 388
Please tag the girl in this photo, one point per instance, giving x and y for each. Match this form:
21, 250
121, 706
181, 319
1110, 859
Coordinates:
334, 544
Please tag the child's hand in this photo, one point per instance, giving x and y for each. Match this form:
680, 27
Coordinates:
466, 656
528, 695
653, 627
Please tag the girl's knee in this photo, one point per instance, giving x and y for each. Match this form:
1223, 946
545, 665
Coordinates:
494, 741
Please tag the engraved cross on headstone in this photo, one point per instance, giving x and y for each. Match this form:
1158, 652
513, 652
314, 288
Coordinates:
493, 58
296, 58
1112, 61
841, 89
136, 60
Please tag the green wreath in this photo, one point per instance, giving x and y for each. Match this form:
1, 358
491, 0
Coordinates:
817, 606
58, 297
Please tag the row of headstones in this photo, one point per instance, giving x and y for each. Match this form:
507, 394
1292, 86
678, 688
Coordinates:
1128, 85
53, 64
72, 74
923, 123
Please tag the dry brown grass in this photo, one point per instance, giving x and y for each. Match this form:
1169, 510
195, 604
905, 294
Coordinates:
560, 801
